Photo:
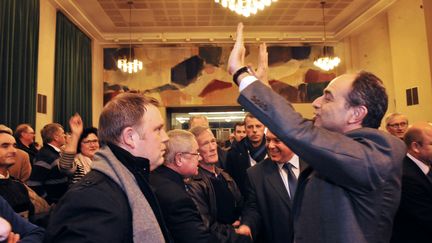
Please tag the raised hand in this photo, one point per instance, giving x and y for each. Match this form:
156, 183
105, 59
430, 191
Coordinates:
262, 71
236, 58
76, 125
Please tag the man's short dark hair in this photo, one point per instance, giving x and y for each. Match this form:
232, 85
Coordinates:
49, 131
238, 124
125, 110
368, 90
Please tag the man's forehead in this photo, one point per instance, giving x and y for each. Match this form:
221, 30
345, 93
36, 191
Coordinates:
6, 138
341, 84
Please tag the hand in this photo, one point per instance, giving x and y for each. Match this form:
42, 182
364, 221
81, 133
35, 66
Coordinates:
76, 125
236, 223
244, 230
13, 238
237, 55
262, 71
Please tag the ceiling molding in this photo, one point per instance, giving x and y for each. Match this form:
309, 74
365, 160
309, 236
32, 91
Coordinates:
369, 14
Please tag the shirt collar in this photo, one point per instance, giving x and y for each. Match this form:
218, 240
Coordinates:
423, 167
54, 147
294, 161
4, 177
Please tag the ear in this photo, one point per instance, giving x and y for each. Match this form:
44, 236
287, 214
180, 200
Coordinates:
178, 160
358, 113
415, 147
128, 136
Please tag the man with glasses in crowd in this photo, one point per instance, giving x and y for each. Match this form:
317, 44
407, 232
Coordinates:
396, 124
25, 135
180, 212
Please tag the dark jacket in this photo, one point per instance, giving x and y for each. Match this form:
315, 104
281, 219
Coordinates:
268, 208
203, 194
237, 162
28, 232
180, 212
351, 190
105, 211
31, 150
46, 179
413, 220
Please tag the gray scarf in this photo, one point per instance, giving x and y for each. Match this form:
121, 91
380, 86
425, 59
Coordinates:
144, 223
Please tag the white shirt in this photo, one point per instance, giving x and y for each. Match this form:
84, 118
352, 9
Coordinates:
423, 167
295, 168
246, 81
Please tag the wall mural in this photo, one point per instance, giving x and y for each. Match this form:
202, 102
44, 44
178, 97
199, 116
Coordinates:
180, 76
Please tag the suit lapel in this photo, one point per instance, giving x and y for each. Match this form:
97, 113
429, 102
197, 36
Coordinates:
275, 181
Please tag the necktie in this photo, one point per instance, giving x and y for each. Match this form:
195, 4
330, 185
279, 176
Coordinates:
292, 179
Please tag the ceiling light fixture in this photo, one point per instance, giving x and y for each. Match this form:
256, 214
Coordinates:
327, 61
245, 7
124, 63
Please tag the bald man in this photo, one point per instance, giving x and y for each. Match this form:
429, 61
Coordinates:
414, 217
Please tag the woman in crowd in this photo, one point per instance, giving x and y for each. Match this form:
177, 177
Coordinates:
77, 156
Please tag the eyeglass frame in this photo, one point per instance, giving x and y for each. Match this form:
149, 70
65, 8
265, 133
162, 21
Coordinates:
195, 154
398, 125
94, 141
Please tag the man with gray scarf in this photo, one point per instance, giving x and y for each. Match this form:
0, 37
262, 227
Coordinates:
114, 202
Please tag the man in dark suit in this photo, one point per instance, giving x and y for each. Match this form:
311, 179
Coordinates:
413, 220
267, 212
181, 214
351, 190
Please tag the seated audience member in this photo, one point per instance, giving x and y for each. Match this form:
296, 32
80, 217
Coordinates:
12, 190
247, 152
21, 169
114, 201
76, 158
271, 186
46, 179
195, 121
396, 124
215, 193
20, 230
180, 212
413, 219
25, 135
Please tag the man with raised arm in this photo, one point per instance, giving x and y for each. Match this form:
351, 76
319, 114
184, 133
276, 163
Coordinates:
351, 190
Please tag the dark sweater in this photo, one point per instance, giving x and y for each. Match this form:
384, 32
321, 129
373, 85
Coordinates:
46, 179
16, 194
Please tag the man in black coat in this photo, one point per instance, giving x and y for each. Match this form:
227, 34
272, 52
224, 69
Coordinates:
267, 212
246, 153
413, 220
180, 212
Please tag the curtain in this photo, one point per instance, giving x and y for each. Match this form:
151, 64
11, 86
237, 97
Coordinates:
19, 35
73, 73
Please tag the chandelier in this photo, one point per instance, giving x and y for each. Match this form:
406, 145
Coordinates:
124, 63
327, 60
245, 7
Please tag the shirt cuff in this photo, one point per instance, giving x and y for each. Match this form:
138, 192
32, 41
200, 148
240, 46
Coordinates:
246, 81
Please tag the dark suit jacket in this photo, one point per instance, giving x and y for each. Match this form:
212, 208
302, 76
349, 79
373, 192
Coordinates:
413, 222
351, 190
181, 214
268, 207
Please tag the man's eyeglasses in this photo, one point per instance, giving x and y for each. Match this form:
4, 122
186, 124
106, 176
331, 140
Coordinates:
194, 154
397, 125
90, 141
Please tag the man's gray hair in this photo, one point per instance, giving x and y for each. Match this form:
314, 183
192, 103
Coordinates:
179, 141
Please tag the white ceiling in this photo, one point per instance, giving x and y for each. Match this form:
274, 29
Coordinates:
204, 21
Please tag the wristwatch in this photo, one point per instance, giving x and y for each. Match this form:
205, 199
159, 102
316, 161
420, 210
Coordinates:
239, 72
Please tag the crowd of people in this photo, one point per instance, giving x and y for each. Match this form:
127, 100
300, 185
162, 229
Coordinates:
336, 178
